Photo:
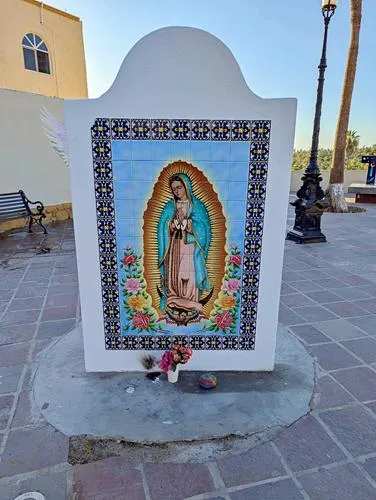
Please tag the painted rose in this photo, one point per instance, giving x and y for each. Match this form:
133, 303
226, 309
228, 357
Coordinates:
236, 259
232, 285
224, 320
129, 259
133, 285
227, 302
141, 320
166, 362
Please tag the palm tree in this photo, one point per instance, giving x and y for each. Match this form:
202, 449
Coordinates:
334, 191
352, 144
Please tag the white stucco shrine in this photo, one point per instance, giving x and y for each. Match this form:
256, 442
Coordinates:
180, 177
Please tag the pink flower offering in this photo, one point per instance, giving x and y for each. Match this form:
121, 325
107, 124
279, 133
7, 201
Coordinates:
224, 320
133, 285
236, 259
166, 362
232, 285
177, 355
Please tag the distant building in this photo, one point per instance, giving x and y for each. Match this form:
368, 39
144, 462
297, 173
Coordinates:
41, 50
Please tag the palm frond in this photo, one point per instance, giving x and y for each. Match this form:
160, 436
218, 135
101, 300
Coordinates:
55, 133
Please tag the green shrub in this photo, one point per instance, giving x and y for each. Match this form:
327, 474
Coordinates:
301, 158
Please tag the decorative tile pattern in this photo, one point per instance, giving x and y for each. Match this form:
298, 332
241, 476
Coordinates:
140, 129
101, 150
160, 129
181, 129
259, 151
260, 130
258, 168
221, 130
258, 171
105, 209
106, 227
102, 170
257, 134
101, 129
103, 189
120, 128
240, 130
201, 130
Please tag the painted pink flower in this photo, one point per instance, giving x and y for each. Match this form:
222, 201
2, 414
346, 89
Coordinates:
141, 320
236, 259
128, 260
166, 362
133, 285
231, 285
224, 320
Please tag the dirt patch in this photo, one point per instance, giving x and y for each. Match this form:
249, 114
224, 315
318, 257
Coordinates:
85, 449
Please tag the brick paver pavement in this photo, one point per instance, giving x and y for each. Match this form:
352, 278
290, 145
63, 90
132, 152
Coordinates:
328, 301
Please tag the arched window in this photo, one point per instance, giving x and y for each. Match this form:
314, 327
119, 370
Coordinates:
35, 54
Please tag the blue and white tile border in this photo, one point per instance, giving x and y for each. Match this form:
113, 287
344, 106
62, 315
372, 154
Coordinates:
257, 133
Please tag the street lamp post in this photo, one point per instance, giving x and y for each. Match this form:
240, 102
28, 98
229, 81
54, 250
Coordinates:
310, 203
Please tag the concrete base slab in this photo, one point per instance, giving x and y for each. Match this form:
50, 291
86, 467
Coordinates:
130, 408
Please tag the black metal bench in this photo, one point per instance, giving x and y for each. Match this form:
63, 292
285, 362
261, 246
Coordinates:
17, 205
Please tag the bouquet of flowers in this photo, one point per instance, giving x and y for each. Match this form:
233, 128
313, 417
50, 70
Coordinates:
177, 355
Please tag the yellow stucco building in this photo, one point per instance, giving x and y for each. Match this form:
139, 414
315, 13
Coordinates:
41, 50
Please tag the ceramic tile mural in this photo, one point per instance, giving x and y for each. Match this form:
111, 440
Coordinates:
180, 208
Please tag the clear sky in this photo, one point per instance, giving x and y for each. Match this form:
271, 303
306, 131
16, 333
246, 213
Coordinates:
276, 42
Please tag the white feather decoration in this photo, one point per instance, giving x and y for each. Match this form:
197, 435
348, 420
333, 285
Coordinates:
55, 133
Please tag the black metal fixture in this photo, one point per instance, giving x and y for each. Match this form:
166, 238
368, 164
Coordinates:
310, 203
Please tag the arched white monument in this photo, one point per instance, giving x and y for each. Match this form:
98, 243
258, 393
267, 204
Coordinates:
201, 266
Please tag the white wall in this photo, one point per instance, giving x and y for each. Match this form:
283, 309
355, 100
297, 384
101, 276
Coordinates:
27, 160
350, 177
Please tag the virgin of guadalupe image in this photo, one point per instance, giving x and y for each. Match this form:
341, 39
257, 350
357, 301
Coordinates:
184, 238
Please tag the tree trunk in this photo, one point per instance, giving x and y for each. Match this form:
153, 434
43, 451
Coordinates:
336, 197
334, 191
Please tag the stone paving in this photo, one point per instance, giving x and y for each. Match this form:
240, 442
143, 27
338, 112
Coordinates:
328, 301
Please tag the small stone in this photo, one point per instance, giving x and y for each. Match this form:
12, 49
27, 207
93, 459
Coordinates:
208, 381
